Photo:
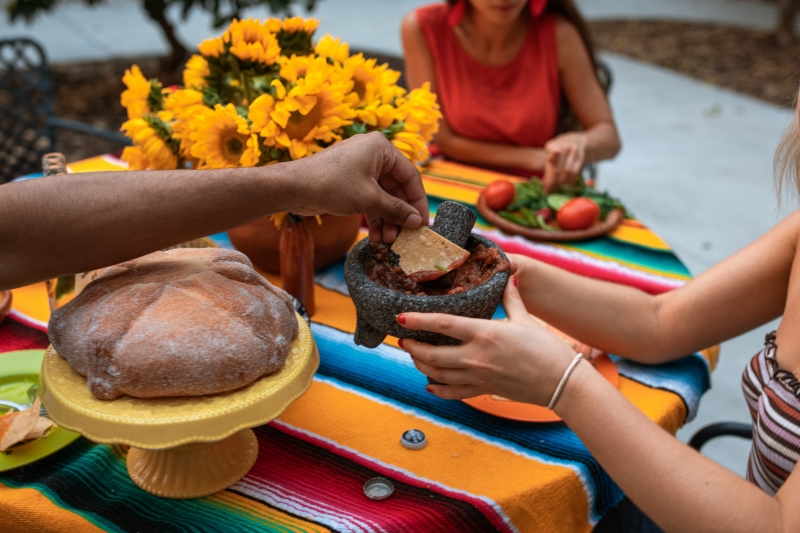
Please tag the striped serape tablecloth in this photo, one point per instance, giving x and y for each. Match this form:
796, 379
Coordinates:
477, 474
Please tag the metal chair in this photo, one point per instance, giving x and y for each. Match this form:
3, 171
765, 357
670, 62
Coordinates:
720, 429
27, 124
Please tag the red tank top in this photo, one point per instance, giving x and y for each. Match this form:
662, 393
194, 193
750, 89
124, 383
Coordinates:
514, 104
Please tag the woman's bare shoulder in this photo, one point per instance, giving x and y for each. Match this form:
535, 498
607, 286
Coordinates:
567, 35
788, 229
430, 14
410, 30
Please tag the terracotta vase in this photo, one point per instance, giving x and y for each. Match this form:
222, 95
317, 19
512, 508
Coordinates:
259, 240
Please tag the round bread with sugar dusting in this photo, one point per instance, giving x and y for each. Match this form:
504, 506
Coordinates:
186, 322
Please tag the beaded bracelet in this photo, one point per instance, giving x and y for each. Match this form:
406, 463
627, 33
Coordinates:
563, 382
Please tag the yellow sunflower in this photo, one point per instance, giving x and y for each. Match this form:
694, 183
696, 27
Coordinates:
259, 112
220, 138
411, 144
292, 25
135, 97
251, 41
295, 67
332, 48
252, 153
420, 115
422, 111
135, 158
196, 72
371, 81
213, 47
185, 105
154, 151
379, 115
313, 111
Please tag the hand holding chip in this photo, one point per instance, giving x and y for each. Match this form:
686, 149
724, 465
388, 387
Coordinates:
363, 174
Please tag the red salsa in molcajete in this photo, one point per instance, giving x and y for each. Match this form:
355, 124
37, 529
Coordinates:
482, 263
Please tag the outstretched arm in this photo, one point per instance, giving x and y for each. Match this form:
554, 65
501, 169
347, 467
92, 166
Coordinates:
742, 292
567, 153
78, 222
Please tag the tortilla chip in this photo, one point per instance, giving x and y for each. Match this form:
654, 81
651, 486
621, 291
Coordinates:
425, 255
5, 422
21, 424
41, 427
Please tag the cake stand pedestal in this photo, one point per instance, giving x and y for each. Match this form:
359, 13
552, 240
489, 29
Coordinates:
182, 447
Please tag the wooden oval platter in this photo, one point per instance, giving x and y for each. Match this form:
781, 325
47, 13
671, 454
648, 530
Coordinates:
598, 229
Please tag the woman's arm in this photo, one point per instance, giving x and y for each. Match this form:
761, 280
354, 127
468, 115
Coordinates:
678, 488
78, 222
419, 69
742, 292
568, 152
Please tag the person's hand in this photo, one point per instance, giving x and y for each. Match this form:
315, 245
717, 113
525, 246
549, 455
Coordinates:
363, 174
517, 359
564, 159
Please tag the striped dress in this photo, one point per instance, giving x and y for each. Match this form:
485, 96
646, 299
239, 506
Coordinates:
773, 396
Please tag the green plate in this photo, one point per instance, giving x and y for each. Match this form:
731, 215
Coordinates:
18, 371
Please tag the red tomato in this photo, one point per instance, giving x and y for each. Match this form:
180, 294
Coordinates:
499, 194
578, 213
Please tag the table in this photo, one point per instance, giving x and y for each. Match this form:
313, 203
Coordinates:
478, 473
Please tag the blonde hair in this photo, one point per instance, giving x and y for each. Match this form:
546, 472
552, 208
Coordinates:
786, 165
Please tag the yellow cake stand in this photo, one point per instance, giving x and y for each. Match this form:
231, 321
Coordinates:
181, 447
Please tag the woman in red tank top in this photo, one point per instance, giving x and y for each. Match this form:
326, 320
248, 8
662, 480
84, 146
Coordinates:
500, 68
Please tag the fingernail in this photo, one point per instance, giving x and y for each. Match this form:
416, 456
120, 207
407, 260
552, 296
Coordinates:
400, 342
429, 390
514, 279
401, 319
413, 221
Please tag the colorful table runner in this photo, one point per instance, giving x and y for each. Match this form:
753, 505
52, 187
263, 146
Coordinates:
478, 473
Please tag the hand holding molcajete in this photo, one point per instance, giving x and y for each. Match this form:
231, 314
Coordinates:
517, 359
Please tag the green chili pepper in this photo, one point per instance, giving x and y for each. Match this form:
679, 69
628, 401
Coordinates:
528, 215
513, 218
544, 225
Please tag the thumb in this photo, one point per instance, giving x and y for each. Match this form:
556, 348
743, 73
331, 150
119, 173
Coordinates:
394, 210
550, 166
513, 304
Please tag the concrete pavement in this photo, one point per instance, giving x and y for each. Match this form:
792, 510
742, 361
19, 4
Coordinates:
696, 167
696, 162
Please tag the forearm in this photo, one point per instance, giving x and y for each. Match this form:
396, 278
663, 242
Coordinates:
78, 222
490, 154
602, 142
610, 317
674, 485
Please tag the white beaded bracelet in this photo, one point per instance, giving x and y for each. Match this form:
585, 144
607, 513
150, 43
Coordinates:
563, 382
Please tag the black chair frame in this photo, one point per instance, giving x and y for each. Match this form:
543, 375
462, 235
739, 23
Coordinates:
720, 429
27, 124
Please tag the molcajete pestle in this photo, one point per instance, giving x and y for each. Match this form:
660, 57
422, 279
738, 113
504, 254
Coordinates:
377, 306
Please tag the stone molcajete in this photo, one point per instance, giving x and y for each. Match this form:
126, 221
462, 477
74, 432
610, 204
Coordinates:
377, 306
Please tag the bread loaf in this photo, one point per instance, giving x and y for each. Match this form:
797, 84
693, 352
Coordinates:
185, 322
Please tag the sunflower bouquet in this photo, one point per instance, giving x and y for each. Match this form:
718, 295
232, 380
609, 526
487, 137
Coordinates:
263, 93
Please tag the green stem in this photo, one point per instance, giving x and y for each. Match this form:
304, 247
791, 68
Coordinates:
245, 80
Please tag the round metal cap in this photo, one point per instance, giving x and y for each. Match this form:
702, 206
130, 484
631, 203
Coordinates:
378, 488
414, 439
